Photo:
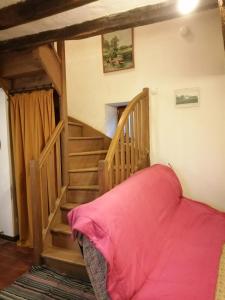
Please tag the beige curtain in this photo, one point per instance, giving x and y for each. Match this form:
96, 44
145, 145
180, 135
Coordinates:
32, 122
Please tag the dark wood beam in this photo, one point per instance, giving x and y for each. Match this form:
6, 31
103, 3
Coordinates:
222, 13
132, 18
30, 10
5, 84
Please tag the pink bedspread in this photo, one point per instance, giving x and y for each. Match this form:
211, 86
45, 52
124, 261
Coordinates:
158, 245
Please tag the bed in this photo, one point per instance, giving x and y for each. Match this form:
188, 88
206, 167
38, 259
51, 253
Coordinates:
144, 240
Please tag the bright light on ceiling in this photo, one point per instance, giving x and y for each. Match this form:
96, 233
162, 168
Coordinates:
187, 6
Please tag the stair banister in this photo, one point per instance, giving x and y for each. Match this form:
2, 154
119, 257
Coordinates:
47, 188
129, 149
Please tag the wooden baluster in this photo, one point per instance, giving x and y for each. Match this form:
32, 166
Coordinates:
51, 200
117, 166
147, 133
44, 196
142, 128
111, 175
135, 139
103, 176
122, 156
36, 210
132, 140
127, 149
58, 168
139, 130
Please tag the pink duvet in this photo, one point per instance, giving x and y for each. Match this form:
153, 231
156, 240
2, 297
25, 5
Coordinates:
158, 245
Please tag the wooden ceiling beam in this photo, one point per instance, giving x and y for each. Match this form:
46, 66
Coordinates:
132, 18
31, 10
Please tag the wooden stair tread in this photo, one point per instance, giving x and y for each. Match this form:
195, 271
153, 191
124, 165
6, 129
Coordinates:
69, 205
65, 255
83, 170
62, 228
84, 187
76, 138
88, 153
75, 124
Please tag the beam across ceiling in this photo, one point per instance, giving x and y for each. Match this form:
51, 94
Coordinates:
31, 10
132, 18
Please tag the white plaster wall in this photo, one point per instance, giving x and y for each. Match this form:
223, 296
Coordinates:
111, 120
7, 218
192, 140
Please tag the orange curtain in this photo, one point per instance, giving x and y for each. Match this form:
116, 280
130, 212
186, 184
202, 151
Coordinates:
32, 122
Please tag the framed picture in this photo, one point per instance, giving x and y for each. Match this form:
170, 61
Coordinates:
118, 50
187, 97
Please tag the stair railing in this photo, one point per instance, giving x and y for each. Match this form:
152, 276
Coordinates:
47, 188
129, 149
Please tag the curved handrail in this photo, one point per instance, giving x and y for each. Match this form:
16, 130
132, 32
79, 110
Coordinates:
48, 147
121, 124
129, 149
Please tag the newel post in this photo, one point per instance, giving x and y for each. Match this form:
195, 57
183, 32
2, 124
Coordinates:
102, 176
36, 210
63, 112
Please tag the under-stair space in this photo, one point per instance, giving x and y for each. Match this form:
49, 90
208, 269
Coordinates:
86, 147
30, 69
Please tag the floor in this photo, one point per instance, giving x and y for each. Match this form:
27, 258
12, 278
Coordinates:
14, 261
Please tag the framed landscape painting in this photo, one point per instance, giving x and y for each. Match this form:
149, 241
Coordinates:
118, 50
187, 97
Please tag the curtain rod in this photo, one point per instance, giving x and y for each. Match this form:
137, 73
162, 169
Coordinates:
29, 90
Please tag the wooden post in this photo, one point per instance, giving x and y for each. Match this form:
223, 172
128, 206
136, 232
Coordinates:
222, 14
36, 210
6, 85
147, 136
63, 113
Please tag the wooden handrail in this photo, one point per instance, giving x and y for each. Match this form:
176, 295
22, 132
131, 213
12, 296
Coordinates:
129, 149
121, 124
47, 188
50, 143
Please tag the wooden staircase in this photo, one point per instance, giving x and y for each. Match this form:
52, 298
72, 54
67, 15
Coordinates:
86, 147
78, 163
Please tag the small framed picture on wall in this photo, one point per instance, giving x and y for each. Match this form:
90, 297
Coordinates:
188, 97
118, 50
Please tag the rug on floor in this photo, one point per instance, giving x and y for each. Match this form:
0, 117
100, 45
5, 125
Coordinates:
42, 283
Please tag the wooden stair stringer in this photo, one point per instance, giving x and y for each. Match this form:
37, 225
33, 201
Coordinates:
83, 187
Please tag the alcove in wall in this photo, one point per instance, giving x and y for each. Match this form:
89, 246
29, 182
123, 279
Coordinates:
113, 112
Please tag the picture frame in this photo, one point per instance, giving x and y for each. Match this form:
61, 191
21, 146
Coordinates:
118, 50
188, 97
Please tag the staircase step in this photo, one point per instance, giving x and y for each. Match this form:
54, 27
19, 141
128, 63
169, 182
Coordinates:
84, 187
65, 260
86, 159
82, 194
79, 144
75, 124
62, 237
69, 205
62, 228
65, 208
68, 256
75, 129
85, 176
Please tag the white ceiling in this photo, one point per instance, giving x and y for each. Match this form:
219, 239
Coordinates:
75, 16
4, 3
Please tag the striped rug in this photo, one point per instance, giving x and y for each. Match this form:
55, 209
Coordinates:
43, 284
